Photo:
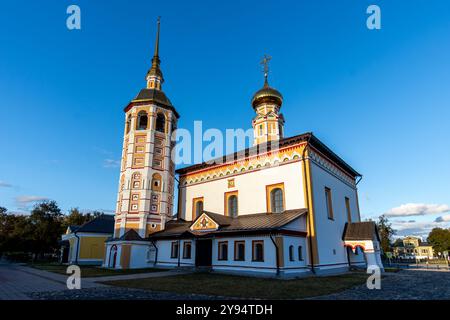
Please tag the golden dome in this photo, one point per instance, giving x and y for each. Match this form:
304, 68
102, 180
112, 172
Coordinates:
267, 95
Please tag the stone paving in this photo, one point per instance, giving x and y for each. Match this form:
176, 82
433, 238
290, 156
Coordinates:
404, 285
22, 283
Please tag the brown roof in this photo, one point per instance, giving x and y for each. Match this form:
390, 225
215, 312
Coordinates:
152, 95
243, 223
366, 230
262, 148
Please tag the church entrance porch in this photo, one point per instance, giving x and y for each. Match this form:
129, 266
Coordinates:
203, 253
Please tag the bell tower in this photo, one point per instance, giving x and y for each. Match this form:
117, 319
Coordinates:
146, 187
268, 124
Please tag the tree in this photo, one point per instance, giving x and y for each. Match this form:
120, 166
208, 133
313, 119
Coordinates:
386, 232
46, 224
440, 239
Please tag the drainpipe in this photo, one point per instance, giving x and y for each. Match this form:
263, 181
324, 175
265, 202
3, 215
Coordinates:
156, 253
276, 253
179, 252
78, 247
311, 256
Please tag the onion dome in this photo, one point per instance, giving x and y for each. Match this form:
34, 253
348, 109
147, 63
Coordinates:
267, 95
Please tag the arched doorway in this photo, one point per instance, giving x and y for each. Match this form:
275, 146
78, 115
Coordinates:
112, 256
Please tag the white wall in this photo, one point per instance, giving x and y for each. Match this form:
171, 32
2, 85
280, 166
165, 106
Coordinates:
329, 232
252, 190
268, 265
296, 265
164, 254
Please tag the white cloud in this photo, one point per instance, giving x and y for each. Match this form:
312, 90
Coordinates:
417, 228
417, 209
4, 184
110, 163
25, 200
445, 218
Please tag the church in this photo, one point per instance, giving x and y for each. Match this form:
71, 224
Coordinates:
286, 206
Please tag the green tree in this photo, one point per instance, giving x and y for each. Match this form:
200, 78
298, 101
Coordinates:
440, 239
386, 232
75, 217
46, 223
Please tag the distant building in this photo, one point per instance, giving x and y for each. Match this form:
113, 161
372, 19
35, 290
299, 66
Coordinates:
413, 248
85, 244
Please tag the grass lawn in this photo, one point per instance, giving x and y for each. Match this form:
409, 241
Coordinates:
246, 287
91, 271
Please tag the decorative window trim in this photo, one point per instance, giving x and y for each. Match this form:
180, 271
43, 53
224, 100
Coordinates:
220, 244
254, 243
269, 189
236, 244
194, 205
173, 252
329, 203
227, 195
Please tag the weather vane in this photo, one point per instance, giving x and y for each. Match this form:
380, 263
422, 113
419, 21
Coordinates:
265, 64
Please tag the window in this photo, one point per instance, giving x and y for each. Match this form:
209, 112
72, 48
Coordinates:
142, 121
174, 251
160, 123
349, 212
156, 182
329, 203
276, 200
280, 130
128, 124
258, 250
239, 250
291, 253
300, 253
232, 206
223, 250
198, 208
187, 250
260, 130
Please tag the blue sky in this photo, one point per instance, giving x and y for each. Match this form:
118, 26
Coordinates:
380, 99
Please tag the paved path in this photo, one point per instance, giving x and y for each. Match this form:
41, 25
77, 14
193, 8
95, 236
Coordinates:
404, 285
19, 282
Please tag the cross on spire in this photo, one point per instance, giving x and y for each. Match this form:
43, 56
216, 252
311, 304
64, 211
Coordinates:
265, 63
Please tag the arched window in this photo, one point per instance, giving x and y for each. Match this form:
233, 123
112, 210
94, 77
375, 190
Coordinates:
156, 182
291, 253
198, 208
276, 200
128, 124
300, 253
258, 251
142, 121
187, 250
232, 206
160, 123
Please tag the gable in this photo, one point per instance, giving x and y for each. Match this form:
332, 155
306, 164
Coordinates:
204, 222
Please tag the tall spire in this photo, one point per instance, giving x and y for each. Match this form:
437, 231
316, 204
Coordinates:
265, 63
154, 76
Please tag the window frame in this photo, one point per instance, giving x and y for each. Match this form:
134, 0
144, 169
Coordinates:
185, 245
291, 253
220, 246
329, 203
300, 253
174, 253
141, 114
269, 189
236, 246
348, 209
194, 207
254, 244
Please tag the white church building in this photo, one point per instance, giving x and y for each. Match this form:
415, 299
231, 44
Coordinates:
285, 206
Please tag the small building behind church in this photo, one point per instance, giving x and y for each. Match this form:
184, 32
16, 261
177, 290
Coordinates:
85, 244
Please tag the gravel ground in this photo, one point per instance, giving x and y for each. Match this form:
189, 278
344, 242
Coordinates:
403, 285
115, 293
